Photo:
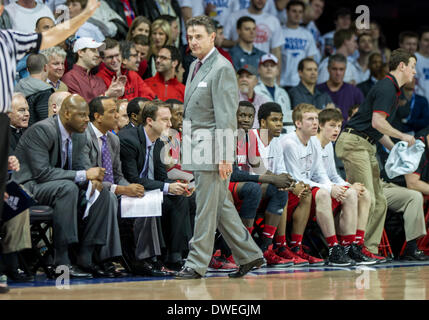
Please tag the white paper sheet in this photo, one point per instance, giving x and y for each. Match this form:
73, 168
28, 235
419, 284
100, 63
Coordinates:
150, 205
91, 199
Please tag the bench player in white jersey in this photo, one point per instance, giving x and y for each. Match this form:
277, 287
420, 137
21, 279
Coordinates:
257, 190
270, 118
352, 232
303, 161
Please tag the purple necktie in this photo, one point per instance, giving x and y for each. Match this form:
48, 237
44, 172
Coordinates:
106, 160
197, 67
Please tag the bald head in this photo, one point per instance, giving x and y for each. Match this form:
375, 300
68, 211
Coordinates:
55, 101
74, 113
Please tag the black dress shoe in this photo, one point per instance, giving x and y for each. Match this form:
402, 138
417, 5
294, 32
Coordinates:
145, 268
187, 273
110, 267
19, 276
245, 268
416, 255
97, 272
76, 273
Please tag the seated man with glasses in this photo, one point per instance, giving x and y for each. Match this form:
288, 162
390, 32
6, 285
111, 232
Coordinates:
114, 71
165, 83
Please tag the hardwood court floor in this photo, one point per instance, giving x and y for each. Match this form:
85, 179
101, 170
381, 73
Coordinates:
396, 281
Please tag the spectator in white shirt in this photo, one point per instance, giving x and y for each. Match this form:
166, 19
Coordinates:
299, 44
303, 161
268, 31
365, 47
270, 7
312, 13
271, 156
25, 13
345, 43
189, 9
268, 71
220, 10
353, 232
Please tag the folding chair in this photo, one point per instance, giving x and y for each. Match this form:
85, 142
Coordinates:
384, 248
41, 256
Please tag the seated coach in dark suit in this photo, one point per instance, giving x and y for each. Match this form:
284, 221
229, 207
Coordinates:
141, 154
102, 150
134, 111
51, 169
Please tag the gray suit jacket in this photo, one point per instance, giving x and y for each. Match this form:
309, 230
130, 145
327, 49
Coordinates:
39, 154
211, 103
91, 156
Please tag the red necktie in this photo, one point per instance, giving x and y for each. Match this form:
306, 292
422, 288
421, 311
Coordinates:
197, 67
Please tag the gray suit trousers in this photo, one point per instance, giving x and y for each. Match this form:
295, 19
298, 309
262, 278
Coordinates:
62, 196
216, 211
102, 227
147, 237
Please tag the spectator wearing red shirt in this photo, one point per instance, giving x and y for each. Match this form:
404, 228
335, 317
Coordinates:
79, 80
164, 83
141, 43
112, 69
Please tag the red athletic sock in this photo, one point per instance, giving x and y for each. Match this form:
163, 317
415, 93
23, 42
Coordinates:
280, 241
269, 231
347, 240
296, 240
332, 241
360, 237
250, 229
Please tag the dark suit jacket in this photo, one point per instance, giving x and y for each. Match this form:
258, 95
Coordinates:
91, 155
133, 156
14, 136
39, 154
128, 126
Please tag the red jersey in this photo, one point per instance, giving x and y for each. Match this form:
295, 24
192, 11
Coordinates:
247, 149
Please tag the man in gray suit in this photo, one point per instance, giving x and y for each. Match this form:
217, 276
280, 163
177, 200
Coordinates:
102, 149
51, 169
211, 101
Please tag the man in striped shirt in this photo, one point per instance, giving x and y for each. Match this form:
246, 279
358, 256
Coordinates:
13, 47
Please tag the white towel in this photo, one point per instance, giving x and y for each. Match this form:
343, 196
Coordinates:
403, 159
